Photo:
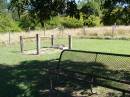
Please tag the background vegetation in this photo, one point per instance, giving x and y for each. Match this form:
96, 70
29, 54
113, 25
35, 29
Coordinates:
26, 75
32, 14
8, 24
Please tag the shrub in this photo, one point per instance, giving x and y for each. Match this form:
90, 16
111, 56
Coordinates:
8, 24
92, 21
54, 22
27, 23
72, 22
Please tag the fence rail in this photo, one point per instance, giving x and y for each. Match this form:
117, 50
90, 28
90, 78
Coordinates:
38, 42
29, 37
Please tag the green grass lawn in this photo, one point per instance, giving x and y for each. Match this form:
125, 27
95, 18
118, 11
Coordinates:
24, 75
112, 46
11, 55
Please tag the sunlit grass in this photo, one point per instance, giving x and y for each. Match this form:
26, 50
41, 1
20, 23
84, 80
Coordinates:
11, 54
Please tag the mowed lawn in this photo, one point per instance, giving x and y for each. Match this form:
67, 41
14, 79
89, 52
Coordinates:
100, 45
11, 55
25, 75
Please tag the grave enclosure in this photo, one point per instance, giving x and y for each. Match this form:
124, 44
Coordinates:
52, 40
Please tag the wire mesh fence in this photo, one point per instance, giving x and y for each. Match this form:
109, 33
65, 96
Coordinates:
45, 42
61, 41
107, 69
29, 44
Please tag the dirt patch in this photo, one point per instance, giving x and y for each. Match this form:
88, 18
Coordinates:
43, 51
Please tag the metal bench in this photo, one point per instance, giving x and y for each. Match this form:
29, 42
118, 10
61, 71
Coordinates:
96, 68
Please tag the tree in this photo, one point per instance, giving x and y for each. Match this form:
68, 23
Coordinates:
3, 5
116, 11
41, 10
18, 6
92, 12
92, 7
7, 23
72, 9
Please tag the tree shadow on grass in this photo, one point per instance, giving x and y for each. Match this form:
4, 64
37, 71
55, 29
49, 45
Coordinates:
31, 78
28, 79
25, 80
103, 75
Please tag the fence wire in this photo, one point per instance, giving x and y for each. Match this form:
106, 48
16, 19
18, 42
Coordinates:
61, 41
29, 44
109, 69
45, 42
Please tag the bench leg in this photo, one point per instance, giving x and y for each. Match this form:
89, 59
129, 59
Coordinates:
51, 87
91, 86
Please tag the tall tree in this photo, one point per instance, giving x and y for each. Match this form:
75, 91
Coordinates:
116, 11
72, 9
92, 7
3, 5
38, 9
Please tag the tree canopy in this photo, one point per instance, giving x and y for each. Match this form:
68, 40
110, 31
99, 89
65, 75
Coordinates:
109, 11
3, 5
39, 9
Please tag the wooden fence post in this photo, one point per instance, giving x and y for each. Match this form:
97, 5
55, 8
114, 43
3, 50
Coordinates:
21, 44
52, 40
70, 41
113, 30
38, 43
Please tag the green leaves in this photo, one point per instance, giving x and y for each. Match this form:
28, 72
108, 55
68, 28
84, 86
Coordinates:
7, 24
72, 22
93, 21
41, 10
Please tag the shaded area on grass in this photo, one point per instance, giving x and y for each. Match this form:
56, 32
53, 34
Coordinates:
24, 80
31, 79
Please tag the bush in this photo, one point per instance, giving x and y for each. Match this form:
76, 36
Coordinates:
92, 21
58, 21
27, 23
54, 22
72, 22
8, 24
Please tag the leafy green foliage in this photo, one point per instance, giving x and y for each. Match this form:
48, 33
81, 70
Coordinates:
72, 22
39, 13
117, 15
93, 21
3, 5
92, 13
41, 10
64, 21
72, 10
8, 24
116, 11
27, 23
92, 8
54, 22
110, 11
